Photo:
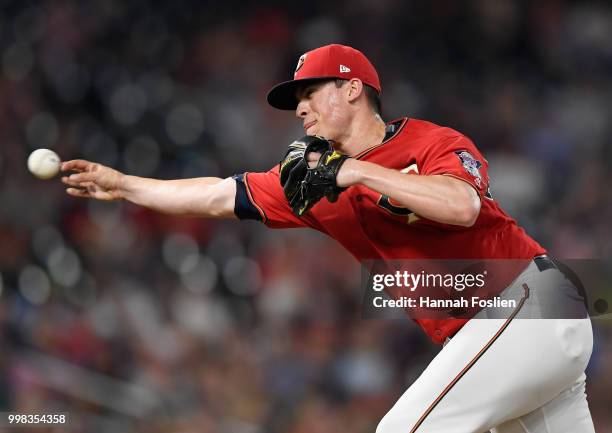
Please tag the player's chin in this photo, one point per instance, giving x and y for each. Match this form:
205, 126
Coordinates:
312, 131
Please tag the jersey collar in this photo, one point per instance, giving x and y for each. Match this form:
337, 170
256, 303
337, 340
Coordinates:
391, 130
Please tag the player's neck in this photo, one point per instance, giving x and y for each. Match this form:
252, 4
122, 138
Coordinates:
365, 131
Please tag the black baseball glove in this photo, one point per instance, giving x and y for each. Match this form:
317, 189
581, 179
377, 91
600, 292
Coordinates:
304, 186
293, 167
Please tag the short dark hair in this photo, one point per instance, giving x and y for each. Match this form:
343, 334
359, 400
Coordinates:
371, 95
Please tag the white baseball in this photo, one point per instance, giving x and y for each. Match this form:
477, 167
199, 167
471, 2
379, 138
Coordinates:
44, 163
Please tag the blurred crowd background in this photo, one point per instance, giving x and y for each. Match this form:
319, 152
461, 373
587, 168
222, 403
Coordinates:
133, 321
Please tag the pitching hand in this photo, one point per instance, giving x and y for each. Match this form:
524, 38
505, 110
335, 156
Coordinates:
92, 180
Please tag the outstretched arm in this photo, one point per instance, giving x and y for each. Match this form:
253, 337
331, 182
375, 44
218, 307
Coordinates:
209, 197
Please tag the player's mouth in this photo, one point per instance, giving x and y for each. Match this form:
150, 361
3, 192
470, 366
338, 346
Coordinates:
308, 125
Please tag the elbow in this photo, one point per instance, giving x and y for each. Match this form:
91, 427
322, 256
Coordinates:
219, 200
214, 207
468, 212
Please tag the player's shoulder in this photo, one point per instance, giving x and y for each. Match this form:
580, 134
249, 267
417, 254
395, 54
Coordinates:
420, 127
428, 139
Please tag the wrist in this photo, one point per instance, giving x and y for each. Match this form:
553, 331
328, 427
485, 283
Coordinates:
125, 186
350, 173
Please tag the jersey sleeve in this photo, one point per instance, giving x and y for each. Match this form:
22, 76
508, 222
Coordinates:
457, 156
265, 195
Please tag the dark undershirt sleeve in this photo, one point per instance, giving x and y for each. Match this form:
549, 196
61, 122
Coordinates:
243, 208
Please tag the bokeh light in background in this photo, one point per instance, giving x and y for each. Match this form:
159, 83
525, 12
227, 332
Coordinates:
184, 124
142, 156
139, 322
181, 252
34, 284
42, 130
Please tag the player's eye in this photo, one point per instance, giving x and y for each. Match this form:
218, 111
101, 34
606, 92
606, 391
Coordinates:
307, 92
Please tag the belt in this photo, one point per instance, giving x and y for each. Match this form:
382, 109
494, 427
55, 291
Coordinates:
544, 262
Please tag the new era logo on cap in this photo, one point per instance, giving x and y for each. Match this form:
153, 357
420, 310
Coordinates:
344, 69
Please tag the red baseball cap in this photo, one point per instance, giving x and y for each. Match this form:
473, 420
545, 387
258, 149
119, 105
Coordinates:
330, 61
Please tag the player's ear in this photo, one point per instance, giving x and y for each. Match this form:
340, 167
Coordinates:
355, 89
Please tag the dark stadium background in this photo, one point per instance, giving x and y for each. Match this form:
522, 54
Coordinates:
136, 322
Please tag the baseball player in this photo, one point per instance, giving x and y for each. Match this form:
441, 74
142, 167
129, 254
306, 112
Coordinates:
405, 189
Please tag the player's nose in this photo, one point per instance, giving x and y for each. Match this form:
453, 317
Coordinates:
302, 109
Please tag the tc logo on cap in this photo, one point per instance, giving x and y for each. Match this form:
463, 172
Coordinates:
300, 62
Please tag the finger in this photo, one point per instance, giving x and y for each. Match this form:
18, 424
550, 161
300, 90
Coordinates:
80, 178
77, 184
69, 181
78, 192
75, 165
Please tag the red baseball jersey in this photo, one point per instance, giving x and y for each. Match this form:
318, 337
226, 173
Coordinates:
372, 226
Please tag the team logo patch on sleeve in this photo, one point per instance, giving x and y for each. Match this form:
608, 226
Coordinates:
470, 164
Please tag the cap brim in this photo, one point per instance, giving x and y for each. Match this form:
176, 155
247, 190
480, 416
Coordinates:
283, 95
